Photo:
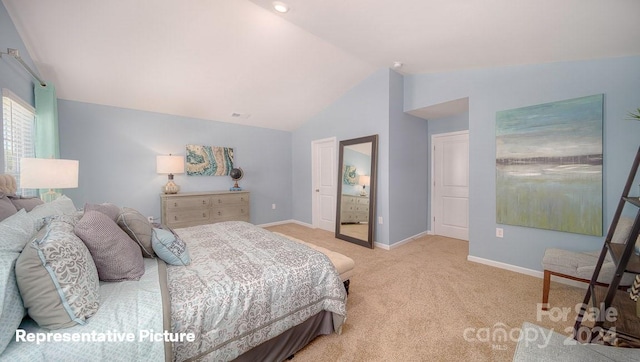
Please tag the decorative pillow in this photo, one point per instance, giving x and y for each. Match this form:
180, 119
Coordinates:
170, 248
6, 207
138, 228
106, 208
16, 230
117, 257
27, 203
11, 308
57, 278
60, 206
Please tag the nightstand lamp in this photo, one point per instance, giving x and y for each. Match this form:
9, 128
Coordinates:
48, 173
170, 165
364, 181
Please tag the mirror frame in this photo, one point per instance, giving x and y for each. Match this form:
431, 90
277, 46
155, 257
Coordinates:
372, 190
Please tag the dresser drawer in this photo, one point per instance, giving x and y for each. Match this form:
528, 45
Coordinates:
191, 202
231, 213
188, 216
229, 199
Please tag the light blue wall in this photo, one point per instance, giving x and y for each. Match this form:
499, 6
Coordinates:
492, 90
12, 75
117, 150
408, 167
454, 123
362, 111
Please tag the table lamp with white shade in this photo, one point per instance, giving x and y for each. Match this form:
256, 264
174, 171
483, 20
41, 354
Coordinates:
169, 165
48, 173
365, 181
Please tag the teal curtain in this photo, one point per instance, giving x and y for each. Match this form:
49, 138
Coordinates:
46, 128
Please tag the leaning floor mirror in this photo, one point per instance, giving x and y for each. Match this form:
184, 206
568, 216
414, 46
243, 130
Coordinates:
356, 203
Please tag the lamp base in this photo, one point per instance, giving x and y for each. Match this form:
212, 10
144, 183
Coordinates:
49, 196
170, 188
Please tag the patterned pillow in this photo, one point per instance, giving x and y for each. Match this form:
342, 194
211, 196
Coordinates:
11, 308
170, 248
138, 228
16, 230
57, 277
117, 257
106, 208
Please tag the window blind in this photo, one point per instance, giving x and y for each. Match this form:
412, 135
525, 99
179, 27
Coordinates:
18, 118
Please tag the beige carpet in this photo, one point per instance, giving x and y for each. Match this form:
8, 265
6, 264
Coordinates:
415, 302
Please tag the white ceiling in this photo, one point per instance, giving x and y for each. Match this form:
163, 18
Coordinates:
211, 58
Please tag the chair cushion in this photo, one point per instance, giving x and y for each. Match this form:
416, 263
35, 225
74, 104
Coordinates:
581, 265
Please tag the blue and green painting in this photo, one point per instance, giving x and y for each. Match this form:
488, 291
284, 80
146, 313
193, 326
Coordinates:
209, 160
549, 166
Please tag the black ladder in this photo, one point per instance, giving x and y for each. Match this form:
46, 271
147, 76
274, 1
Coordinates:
597, 301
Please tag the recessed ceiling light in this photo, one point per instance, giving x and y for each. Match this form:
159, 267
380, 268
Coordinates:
280, 7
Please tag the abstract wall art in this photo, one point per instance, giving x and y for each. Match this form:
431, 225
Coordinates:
209, 160
549, 166
350, 177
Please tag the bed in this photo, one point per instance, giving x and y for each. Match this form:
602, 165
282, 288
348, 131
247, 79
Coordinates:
245, 294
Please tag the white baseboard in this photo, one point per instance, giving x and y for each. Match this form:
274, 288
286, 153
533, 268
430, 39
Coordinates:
290, 221
401, 242
526, 271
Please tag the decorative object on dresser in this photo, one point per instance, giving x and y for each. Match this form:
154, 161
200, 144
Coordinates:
197, 208
236, 175
170, 165
48, 173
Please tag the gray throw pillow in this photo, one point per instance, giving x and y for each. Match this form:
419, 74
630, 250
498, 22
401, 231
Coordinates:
6, 207
138, 228
106, 208
57, 278
117, 257
26, 203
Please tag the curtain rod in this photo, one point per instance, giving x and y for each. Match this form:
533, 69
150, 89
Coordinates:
15, 54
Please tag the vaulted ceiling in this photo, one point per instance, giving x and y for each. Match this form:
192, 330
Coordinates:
210, 59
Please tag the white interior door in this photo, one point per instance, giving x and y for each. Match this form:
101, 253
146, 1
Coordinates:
324, 183
450, 185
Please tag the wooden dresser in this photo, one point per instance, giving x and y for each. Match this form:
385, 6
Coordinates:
197, 208
354, 209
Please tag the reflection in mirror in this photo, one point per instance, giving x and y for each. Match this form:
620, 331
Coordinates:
356, 202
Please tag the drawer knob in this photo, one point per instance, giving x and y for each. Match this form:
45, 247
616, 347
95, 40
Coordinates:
204, 202
204, 215
219, 213
175, 218
175, 204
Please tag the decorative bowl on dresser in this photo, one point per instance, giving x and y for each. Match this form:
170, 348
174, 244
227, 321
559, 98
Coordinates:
197, 208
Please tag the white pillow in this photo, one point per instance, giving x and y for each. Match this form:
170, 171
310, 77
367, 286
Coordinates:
16, 230
60, 206
11, 308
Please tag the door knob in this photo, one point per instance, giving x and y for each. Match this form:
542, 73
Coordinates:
317, 190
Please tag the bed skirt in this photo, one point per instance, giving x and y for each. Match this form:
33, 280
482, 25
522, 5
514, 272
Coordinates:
290, 341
